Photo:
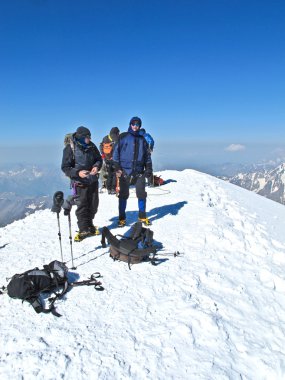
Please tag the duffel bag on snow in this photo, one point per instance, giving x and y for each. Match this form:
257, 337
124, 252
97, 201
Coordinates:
157, 181
29, 285
134, 248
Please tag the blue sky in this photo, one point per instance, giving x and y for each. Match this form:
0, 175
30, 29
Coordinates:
202, 74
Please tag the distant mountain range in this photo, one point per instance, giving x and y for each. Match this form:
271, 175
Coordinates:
15, 207
27, 188
231, 169
268, 182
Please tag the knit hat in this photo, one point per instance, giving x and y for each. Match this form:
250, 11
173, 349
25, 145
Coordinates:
114, 131
136, 119
82, 132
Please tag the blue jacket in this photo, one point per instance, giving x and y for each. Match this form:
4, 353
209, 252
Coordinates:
149, 139
131, 154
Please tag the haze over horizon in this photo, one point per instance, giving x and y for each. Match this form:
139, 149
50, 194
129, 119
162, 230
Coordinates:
167, 155
206, 76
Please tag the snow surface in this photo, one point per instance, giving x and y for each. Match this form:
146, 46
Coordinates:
216, 312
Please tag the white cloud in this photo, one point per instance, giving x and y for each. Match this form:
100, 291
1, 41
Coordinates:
235, 147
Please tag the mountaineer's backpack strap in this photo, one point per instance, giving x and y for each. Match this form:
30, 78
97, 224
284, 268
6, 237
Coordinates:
51, 308
148, 237
137, 230
56, 281
140, 254
106, 234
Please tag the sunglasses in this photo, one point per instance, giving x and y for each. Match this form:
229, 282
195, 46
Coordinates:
135, 125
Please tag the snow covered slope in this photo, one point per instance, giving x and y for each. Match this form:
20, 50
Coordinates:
217, 312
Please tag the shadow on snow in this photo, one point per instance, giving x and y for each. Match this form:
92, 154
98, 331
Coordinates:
153, 214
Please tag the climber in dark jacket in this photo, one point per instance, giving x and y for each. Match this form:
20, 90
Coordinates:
106, 149
132, 162
81, 162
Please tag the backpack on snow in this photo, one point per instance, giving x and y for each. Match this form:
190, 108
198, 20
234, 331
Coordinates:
157, 181
29, 285
135, 248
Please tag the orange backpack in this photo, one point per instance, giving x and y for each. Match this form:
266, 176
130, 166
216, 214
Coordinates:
157, 181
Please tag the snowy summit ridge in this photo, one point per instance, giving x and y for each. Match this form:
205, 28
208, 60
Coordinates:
216, 312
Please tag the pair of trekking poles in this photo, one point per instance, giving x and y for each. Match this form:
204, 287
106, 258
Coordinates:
58, 201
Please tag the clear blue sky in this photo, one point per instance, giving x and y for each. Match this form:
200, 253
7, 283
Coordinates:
195, 71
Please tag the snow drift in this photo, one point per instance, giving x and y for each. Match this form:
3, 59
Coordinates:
217, 312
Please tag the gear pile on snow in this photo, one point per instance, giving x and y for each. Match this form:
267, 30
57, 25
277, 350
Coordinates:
133, 249
157, 181
30, 285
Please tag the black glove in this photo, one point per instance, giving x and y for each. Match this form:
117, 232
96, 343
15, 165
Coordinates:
148, 172
66, 207
57, 202
68, 203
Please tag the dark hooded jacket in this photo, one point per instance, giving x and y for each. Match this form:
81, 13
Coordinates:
82, 158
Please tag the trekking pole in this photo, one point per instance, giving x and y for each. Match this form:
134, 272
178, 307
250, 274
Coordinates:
174, 254
59, 236
91, 281
67, 206
70, 241
56, 207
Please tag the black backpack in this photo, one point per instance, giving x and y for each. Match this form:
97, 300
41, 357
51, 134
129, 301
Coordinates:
134, 248
29, 285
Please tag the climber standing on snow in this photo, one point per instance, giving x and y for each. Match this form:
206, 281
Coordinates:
106, 149
132, 162
81, 162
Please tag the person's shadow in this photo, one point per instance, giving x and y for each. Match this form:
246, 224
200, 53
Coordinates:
153, 214
160, 212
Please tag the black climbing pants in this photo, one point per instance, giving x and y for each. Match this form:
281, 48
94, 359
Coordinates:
87, 205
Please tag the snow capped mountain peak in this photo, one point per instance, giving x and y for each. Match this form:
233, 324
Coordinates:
266, 182
280, 169
13, 173
27, 171
216, 311
37, 173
